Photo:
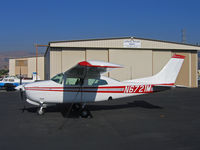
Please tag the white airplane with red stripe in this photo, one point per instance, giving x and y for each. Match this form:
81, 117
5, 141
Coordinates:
85, 83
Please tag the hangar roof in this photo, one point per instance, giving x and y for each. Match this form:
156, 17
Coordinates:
26, 57
124, 42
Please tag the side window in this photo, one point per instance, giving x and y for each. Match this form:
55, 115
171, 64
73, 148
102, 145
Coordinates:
11, 80
73, 81
96, 82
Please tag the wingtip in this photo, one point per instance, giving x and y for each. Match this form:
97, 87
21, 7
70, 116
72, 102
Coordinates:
178, 56
84, 63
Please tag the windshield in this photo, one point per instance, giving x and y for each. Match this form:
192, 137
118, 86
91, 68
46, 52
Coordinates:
58, 78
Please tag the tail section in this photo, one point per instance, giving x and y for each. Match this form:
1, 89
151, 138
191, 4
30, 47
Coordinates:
170, 71
167, 75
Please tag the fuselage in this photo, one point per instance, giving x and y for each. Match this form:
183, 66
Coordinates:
92, 90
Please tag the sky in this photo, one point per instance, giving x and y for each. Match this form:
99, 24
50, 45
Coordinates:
24, 23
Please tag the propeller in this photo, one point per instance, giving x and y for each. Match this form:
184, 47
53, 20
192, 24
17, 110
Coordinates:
22, 97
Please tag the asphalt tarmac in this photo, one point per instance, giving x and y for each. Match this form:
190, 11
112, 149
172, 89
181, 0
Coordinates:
168, 120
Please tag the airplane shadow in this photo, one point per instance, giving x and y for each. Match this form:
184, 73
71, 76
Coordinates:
64, 108
142, 104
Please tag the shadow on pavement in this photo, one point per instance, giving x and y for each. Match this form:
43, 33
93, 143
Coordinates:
64, 108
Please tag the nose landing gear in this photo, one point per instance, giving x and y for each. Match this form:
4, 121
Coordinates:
40, 111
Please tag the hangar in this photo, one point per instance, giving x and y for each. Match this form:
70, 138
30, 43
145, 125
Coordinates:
140, 57
27, 65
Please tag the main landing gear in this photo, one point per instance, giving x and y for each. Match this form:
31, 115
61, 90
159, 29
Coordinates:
82, 109
85, 113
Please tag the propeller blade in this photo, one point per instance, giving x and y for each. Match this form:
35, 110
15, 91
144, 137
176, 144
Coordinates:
22, 97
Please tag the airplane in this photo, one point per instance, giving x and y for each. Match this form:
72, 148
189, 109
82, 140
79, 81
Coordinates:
85, 83
9, 82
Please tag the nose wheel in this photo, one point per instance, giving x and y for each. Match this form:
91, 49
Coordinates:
40, 111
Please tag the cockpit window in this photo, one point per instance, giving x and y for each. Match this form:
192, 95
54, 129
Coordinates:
58, 78
96, 82
11, 80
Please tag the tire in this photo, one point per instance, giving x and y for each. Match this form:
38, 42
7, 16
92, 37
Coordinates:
9, 87
84, 113
40, 111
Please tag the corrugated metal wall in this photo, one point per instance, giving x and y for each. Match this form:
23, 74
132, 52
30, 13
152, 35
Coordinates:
160, 59
194, 68
47, 64
11, 67
55, 63
137, 63
71, 57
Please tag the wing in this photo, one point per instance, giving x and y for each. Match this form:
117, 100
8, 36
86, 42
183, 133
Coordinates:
91, 68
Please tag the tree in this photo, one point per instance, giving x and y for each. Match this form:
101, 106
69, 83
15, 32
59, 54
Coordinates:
4, 72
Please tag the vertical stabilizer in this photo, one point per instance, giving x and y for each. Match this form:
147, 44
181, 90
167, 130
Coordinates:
170, 71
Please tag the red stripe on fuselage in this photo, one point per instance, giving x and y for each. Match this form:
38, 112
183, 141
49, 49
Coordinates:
129, 89
77, 91
78, 87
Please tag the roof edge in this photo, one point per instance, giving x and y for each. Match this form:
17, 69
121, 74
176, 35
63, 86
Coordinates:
131, 37
24, 57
